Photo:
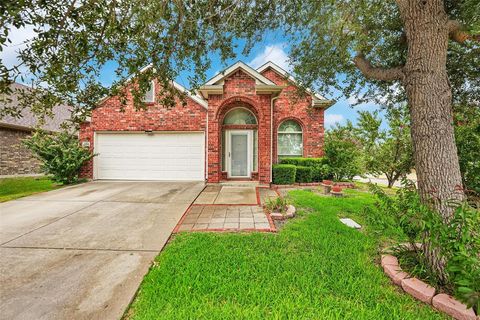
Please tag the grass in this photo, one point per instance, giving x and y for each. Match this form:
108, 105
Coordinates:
13, 188
314, 268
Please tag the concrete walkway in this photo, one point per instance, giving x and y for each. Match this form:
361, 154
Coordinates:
81, 252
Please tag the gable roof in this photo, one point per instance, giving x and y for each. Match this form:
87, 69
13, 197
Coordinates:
194, 96
318, 99
28, 119
259, 78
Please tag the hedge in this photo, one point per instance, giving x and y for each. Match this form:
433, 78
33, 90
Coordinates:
304, 174
305, 162
284, 173
320, 168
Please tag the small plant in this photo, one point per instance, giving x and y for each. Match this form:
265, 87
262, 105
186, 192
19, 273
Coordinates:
60, 153
278, 204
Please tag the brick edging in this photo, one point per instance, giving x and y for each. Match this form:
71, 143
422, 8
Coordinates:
424, 292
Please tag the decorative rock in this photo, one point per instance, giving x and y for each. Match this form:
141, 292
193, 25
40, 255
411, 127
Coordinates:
418, 289
277, 216
395, 273
389, 260
350, 223
290, 211
452, 307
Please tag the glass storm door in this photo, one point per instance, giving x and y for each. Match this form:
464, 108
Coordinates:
239, 153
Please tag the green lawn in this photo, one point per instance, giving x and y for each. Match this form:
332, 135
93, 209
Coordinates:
13, 188
315, 268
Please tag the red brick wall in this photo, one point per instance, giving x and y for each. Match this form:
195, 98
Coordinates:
292, 105
239, 89
109, 117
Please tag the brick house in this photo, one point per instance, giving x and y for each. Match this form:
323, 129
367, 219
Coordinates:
239, 123
15, 158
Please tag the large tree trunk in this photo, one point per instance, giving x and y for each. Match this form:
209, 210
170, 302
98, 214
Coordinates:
430, 100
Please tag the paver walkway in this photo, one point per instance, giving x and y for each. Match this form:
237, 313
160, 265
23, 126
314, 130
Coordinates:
228, 208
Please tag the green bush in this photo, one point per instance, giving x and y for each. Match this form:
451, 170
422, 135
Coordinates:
320, 168
304, 174
456, 241
284, 173
321, 173
60, 154
305, 162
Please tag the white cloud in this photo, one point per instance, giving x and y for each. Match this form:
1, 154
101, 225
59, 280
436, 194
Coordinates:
274, 53
20, 38
332, 119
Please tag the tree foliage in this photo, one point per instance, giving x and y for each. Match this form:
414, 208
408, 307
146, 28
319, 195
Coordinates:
343, 152
387, 152
60, 154
467, 136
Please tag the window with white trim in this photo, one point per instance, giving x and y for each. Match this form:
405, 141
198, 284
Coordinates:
290, 139
149, 96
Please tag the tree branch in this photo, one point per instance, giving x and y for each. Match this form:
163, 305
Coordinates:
371, 72
456, 34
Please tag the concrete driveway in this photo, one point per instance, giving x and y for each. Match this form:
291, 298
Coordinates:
82, 251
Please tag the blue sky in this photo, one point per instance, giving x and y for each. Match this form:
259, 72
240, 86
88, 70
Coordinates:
273, 48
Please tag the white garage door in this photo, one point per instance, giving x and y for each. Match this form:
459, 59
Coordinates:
158, 156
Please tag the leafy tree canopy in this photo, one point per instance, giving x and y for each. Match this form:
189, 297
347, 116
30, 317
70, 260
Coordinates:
76, 38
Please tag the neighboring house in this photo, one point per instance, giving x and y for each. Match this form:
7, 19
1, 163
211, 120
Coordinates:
240, 122
15, 158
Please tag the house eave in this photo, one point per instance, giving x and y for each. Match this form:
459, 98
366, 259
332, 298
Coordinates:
268, 89
207, 90
323, 104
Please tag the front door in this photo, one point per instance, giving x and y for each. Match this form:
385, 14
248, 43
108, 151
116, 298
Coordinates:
239, 157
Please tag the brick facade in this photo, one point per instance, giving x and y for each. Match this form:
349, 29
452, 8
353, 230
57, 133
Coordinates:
15, 158
238, 91
291, 104
109, 116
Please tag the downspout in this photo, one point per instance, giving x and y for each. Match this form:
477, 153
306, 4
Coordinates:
271, 136
206, 151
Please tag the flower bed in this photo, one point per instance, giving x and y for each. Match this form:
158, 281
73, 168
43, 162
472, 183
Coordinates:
424, 292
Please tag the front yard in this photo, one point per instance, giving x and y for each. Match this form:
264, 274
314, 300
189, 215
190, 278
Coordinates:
13, 188
314, 268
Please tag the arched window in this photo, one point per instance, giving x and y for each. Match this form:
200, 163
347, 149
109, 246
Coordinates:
290, 139
239, 116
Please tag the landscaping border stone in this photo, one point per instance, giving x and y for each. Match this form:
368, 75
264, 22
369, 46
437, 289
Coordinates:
290, 213
424, 292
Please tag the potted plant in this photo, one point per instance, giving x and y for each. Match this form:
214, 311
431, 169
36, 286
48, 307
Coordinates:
279, 208
327, 186
336, 191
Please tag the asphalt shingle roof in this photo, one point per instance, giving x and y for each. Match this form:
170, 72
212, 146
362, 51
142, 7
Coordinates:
29, 120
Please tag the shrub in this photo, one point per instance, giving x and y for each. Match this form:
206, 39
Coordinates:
320, 168
60, 154
304, 174
320, 173
284, 173
456, 241
306, 162
343, 153
278, 204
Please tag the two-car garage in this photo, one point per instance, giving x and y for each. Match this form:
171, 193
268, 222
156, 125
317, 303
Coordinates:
150, 156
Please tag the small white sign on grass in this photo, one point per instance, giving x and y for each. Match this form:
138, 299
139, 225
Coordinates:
349, 222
